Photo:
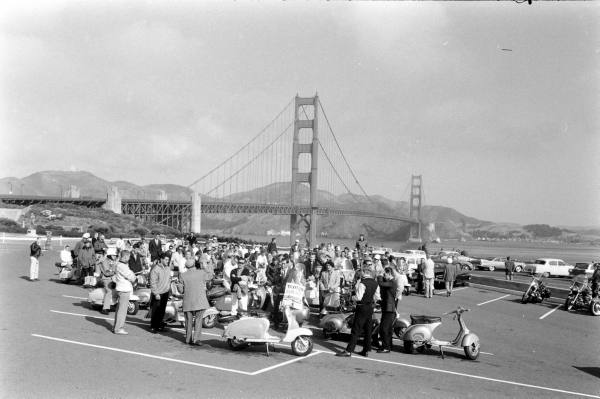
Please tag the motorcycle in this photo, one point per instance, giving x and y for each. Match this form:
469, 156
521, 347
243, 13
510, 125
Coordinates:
255, 330
96, 299
419, 335
536, 292
581, 296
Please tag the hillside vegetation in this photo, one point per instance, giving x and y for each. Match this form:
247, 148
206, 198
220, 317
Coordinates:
447, 222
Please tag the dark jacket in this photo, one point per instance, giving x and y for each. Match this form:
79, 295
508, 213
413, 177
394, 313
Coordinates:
135, 263
387, 291
370, 289
155, 250
35, 250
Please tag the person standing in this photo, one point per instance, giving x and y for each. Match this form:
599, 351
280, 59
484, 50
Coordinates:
509, 266
155, 249
272, 247
35, 251
123, 279
361, 245
192, 284
86, 261
387, 290
108, 268
449, 276
135, 260
428, 275
367, 293
160, 285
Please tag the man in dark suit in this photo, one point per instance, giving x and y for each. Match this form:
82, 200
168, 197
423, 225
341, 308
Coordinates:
387, 290
155, 249
135, 260
193, 285
367, 293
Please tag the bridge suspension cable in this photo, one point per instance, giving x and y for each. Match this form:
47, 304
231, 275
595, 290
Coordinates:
342, 153
270, 124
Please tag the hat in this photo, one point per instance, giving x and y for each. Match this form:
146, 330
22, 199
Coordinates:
449, 260
111, 251
297, 240
377, 256
86, 235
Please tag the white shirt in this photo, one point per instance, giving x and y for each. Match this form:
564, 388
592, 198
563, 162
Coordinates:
65, 258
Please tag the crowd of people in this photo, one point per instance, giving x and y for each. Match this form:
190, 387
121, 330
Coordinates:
329, 272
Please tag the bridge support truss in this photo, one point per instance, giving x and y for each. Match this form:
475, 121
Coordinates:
305, 224
177, 215
415, 207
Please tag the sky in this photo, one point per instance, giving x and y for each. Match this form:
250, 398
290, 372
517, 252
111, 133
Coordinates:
161, 92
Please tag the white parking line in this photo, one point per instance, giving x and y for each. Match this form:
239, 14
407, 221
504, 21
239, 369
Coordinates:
493, 300
169, 359
75, 297
144, 324
477, 377
550, 312
143, 354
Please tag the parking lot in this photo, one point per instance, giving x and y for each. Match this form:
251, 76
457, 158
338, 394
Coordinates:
54, 345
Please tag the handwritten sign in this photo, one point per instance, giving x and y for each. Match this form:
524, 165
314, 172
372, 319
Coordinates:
293, 295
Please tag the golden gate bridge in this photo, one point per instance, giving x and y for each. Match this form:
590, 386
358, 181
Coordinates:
294, 166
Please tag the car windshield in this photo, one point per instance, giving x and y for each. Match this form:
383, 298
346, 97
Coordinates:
540, 262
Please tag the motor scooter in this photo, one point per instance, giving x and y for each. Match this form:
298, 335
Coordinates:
335, 324
96, 299
142, 290
255, 330
419, 335
221, 301
536, 292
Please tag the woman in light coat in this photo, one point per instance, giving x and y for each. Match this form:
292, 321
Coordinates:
123, 278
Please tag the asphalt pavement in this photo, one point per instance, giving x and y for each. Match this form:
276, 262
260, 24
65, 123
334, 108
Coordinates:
53, 345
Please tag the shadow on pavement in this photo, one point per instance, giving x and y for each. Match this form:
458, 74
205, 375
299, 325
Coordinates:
100, 322
595, 371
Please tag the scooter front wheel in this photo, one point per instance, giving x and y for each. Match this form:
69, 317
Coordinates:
132, 308
302, 345
209, 321
595, 308
472, 351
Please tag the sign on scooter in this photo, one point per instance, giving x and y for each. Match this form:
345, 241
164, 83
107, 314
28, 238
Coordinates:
293, 296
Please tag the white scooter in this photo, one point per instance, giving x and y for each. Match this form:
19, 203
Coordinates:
420, 335
255, 330
96, 299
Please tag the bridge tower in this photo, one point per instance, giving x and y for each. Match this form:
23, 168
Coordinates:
415, 206
305, 224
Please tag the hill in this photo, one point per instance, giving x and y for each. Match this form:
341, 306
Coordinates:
447, 222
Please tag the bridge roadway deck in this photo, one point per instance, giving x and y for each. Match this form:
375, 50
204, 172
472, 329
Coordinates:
128, 206
56, 346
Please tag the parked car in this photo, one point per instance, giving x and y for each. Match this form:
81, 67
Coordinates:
492, 264
583, 268
443, 255
549, 267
